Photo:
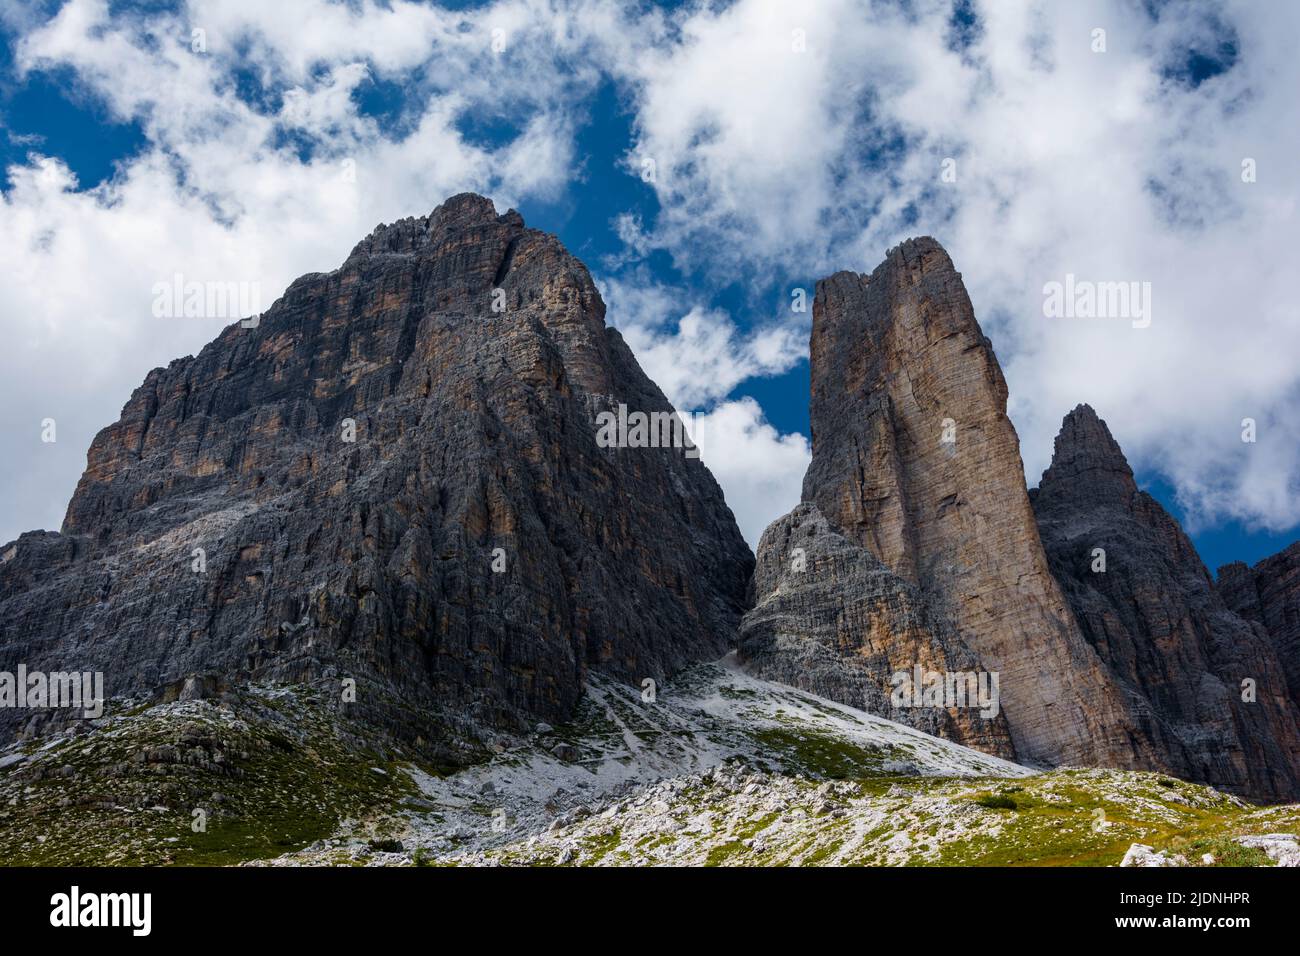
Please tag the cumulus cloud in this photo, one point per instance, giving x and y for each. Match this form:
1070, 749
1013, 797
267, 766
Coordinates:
760, 469
1114, 164
698, 356
702, 355
789, 140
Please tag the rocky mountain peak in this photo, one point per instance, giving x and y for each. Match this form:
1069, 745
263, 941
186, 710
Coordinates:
415, 234
915, 460
1087, 463
918, 544
394, 477
1148, 607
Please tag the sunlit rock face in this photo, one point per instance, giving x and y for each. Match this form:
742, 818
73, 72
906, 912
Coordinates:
915, 461
924, 549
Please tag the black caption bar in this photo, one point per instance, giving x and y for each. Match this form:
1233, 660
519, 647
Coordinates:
136, 907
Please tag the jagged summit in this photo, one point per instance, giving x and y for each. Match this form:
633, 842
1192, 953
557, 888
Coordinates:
915, 459
414, 234
1087, 462
1146, 603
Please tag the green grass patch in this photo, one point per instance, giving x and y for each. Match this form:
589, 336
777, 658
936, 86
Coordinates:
824, 756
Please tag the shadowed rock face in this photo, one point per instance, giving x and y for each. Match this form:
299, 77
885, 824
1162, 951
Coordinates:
475, 430
1156, 620
1268, 595
915, 460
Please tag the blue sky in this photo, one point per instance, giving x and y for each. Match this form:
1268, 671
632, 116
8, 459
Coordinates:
129, 156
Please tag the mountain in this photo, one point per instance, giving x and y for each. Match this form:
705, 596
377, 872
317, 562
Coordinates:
915, 461
1153, 615
918, 549
419, 567
393, 479
1268, 595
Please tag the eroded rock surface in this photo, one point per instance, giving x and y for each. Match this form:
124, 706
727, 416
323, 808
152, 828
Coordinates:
373, 559
915, 460
1268, 595
833, 620
1154, 617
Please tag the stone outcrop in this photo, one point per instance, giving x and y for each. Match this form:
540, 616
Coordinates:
1268, 595
915, 460
834, 621
924, 546
390, 480
1147, 605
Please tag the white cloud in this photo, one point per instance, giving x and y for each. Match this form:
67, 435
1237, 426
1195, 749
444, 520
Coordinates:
760, 470
764, 123
697, 356
772, 165
701, 356
1110, 166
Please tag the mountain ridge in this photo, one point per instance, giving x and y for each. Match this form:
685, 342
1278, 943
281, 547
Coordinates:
392, 485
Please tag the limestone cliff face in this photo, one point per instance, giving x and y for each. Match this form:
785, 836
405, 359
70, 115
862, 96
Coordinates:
923, 546
833, 620
1156, 620
1268, 595
915, 460
376, 558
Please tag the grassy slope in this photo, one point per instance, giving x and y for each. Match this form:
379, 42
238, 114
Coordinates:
271, 774
724, 770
